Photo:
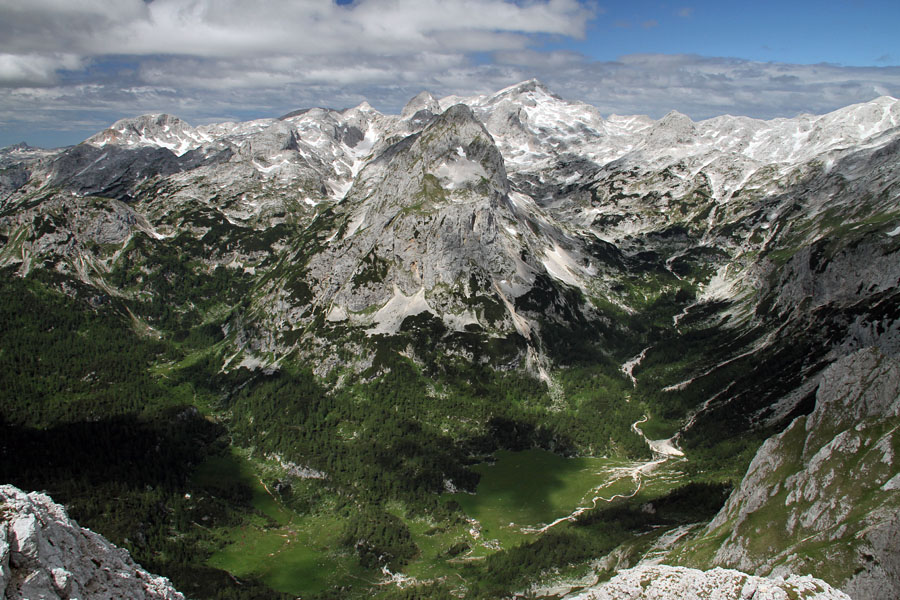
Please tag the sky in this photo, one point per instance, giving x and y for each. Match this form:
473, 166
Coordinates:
70, 68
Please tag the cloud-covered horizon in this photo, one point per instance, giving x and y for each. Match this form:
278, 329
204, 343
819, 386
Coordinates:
73, 68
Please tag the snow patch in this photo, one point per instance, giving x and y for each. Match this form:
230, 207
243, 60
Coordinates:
459, 173
389, 318
522, 325
629, 366
720, 287
252, 362
458, 322
361, 151
358, 219
677, 387
560, 265
892, 484
273, 167
152, 232
894, 232
336, 314
664, 447
339, 189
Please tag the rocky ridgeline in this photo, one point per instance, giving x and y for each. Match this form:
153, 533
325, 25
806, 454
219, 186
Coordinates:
661, 582
45, 555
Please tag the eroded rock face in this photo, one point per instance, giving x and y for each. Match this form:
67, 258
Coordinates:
46, 555
821, 496
662, 582
423, 214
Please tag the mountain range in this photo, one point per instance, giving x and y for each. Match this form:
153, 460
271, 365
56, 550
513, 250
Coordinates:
385, 300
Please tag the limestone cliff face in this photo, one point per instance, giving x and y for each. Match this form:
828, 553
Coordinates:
823, 496
45, 555
427, 214
421, 207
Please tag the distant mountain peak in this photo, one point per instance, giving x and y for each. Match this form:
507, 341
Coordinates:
21, 146
159, 129
530, 85
673, 129
422, 101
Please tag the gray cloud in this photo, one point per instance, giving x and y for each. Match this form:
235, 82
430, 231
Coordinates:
704, 87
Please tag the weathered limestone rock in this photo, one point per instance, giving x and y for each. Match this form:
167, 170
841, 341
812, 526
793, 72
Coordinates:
46, 555
662, 582
818, 497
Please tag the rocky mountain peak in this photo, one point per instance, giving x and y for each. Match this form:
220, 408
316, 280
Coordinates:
673, 129
531, 87
363, 107
421, 101
459, 114
150, 124
457, 149
154, 130
20, 147
425, 215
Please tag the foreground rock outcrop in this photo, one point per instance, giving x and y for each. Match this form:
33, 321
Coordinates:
659, 582
45, 555
823, 496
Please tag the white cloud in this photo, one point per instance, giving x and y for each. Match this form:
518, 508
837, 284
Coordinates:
35, 69
539, 60
705, 87
47, 26
230, 28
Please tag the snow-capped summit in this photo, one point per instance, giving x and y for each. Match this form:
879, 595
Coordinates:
529, 91
674, 129
156, 130
422, 101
